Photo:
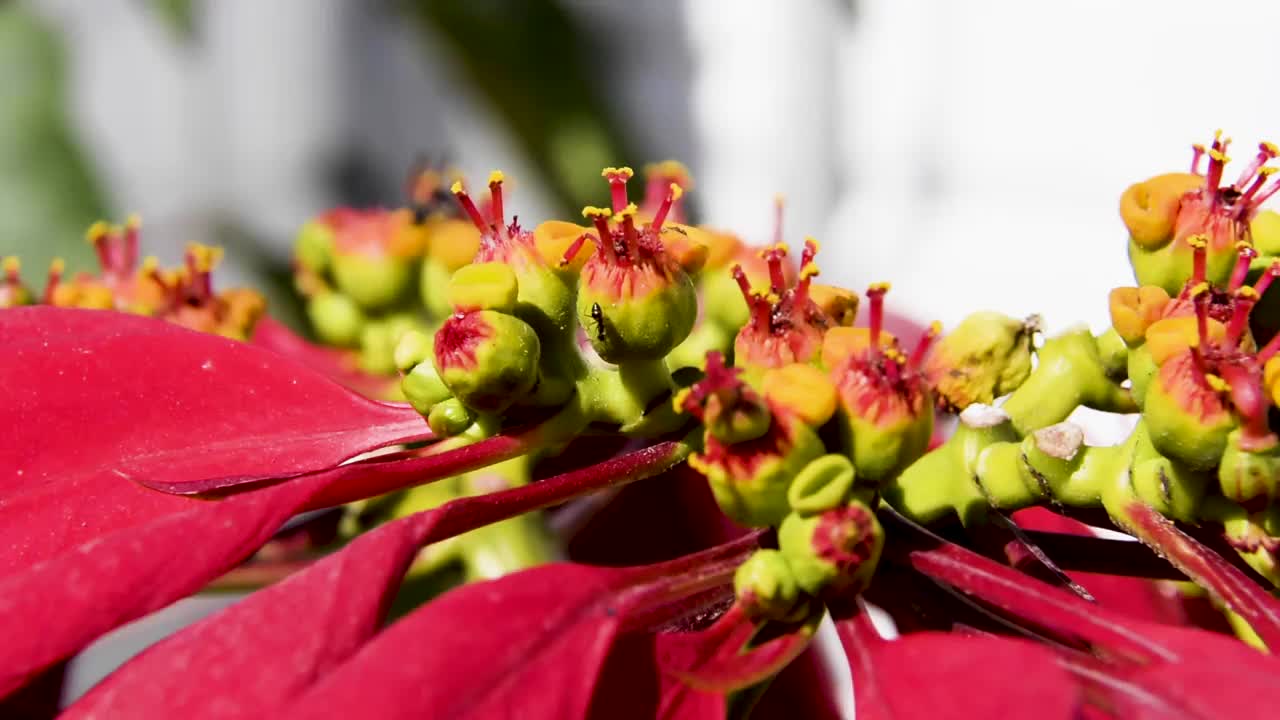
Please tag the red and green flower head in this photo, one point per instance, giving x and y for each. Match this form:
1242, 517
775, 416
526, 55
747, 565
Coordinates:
986, 356
832, 552
184, 295
12, 291
753, 447
785, 325
545, 298
488, 359
1165, 212
370, 254
886, 406
1208, 380
634, 297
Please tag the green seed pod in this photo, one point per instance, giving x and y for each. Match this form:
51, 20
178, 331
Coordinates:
766, 588
313, 247
1249, 476
487, 359
1188, 423
449, 418
986, 356
833, 552
822, 485
483, 286
337, 319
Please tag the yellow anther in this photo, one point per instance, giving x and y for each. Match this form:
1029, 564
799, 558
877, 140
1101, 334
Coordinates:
1198, 147
780, 248
150, 264
97, 231
623, 173
12, 265
627, 212
1199, 289
680, 398
808, 271
1220, 157
133, 222
935, 328
677, 192
1246, 293
809, 240
1217, 134
592, 211
668, 168
1269, 147
1198, 241
879, 287
1266, 171
496, 177
1216, 383
57, 266
456, 188
771, 298
206, 258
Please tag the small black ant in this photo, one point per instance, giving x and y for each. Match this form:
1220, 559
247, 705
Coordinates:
597, 314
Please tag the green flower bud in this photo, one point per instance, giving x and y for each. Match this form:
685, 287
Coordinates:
415, 347
313, 248
378, 341
373, 281
433, 287
822, 485
766, 588
484, 286
337, 319
487, 359
449, 418
988, 355
1249, 476
832, 552
423, 388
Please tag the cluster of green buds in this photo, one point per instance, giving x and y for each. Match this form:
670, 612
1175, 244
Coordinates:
371, 275
184, 295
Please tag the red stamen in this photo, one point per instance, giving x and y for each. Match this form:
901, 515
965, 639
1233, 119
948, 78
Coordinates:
469, 207
922, 347
495, 200
1200, 296
99, 235
56, 268
11, 272
1199, 246
773, 258
618, 178
1266, 151
1244, 301
674, 193
759, 307
1265, 280
875, 294
1250, 402
1247, 202
130, 260
573, 249
1217, 162
1196, 156
1244, 256
1266, 194
600, 218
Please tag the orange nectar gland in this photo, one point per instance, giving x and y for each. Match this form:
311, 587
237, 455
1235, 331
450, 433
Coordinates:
785, 325
499, 241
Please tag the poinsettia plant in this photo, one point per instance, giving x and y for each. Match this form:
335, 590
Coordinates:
724, 455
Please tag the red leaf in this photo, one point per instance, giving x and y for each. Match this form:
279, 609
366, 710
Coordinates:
533, 642
272, 335
55, 607
933, 676
108, 394
260, 653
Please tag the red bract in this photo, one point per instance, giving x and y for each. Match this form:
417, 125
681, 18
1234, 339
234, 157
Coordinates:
256, 656
138, 399
534, 641
271, 334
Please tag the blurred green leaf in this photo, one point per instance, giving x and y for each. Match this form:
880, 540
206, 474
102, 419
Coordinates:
179, 15
530, 61
48, 195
